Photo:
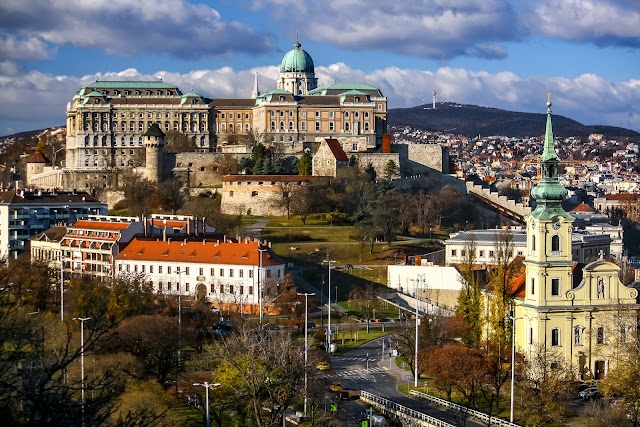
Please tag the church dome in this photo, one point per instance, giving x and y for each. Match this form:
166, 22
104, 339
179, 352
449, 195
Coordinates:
297, 61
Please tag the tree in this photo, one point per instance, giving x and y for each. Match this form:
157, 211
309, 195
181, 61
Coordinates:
224, 164
285, 197
391, 170
370, 172
137, 190
544, 383
469, 307
364, 300
303, 201
385, 216
172, 195
305, 163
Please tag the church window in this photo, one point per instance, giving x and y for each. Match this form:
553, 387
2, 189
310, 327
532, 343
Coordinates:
555, 337
600, 335
533, 243
578, 332
555, 287
533, 286
555, 243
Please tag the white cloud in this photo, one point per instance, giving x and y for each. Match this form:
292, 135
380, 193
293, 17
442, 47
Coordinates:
430, 29
21, 48
130, 27
602, 22
35, 99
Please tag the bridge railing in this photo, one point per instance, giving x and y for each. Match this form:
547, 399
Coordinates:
495, 421
389, 407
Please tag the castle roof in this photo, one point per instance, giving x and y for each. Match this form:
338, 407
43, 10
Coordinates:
336, 149
297, 60
38, 157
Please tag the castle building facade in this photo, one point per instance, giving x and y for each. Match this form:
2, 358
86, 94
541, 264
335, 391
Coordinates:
108, 121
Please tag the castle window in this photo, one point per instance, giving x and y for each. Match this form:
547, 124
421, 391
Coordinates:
380, 107
317, 113
366, 126
600, 335
454, 252
303, 114
230, 116
303, 125
555, 287
139, 140
282, 99
331, 126
254, 194
356, 114
131, 141
346, 125
366, 114
555, 337
317, 125
346, 114
281, 125
290, 125
356, 99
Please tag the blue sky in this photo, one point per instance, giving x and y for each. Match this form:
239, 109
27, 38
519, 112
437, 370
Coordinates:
498, 53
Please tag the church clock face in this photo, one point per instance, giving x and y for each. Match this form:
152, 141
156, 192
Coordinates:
556, 225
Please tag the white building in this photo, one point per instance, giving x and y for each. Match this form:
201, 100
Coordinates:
488, 243
221, 272
436, 284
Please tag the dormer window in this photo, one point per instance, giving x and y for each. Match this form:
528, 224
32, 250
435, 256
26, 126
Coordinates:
282, 99
356, 99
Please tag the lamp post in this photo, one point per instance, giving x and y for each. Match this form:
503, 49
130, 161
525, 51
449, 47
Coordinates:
260, 283
415, 379
207, 386
329, 308
61, 286
82, 320
306, 345
513, 357
54, 156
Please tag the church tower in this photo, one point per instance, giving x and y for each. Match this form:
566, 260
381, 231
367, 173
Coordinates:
548, 259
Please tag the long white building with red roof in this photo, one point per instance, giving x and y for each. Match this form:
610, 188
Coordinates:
220, 271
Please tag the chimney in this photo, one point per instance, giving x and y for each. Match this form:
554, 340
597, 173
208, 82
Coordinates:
418, 260
169, 241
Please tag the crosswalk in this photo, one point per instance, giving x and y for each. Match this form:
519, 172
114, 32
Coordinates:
354, 359
360, 374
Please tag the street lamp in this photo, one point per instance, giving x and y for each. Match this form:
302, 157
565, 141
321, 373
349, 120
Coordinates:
306, 345
260, 283
329, 308
54, 156
82, 320
415, 384
61, 286
207, 386
513, 357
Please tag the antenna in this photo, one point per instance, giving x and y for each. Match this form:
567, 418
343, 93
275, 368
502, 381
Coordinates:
434, 100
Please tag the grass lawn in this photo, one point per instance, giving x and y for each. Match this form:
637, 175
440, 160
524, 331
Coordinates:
185, 416
346, 340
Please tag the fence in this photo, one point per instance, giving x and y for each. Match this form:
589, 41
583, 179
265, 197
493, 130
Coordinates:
404, 413
495, 421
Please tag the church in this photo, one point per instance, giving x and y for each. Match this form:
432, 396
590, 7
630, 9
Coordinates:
108, 123
580, 313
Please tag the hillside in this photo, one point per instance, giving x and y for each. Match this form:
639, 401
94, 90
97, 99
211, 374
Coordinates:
472, 120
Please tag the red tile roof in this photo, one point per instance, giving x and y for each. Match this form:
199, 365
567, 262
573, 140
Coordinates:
99, 225
209, 252
622, 196
38, 157
583, 207
336, 150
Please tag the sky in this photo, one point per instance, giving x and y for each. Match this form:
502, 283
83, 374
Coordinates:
498, 53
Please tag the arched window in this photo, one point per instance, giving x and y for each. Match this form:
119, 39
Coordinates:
281, 125
555, 337
555, 243
366, 126
139, 140
95, 141
578, 331
131, 140
273, 125
533, 243
86, 140
346, 125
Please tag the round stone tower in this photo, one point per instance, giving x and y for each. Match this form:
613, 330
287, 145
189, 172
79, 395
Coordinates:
154, 150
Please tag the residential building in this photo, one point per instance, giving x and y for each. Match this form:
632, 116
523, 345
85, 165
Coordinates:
23, 214
222, 272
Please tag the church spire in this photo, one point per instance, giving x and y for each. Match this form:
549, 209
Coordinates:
549, 193
256, 91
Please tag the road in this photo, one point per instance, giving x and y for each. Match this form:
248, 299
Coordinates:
365, 368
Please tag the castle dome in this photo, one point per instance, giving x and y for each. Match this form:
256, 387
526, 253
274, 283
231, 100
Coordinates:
297, 60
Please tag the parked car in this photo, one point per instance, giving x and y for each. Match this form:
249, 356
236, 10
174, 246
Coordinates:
335, 386
590, 393
343, 395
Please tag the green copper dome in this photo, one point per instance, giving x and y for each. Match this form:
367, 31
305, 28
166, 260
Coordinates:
297, 61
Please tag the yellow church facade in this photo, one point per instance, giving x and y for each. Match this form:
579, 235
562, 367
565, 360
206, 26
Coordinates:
577, 314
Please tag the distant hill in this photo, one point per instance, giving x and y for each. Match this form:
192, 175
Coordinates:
472, 120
